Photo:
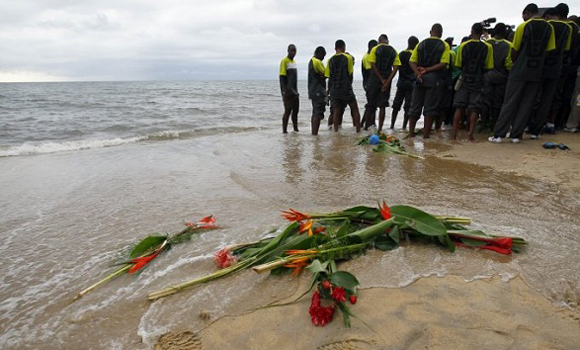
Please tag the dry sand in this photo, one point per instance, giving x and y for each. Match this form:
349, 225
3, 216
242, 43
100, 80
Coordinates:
432, 313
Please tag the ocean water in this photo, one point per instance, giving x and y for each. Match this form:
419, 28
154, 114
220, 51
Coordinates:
86, 169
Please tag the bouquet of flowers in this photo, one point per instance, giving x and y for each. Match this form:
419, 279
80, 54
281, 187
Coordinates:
317, 241
386, 143
150, 247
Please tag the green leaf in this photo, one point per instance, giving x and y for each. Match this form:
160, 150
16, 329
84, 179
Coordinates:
317, 267
345, 314
364, 213
473, 242
345, 280
418, 220
395, 234
148, 244
385, 243
446, 241
343, 229
368, 233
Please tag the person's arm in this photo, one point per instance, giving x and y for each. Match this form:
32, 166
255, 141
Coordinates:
415, 70
489, 57
435, 67
390, 78
283, 78
327, 75
514, 54
283, 84
377, 72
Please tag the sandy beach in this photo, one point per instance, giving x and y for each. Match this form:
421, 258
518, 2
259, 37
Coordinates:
433, 312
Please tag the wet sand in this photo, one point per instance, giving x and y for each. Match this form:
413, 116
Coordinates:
527, 158
434, 312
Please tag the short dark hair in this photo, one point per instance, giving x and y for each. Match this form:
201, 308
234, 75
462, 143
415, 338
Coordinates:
532, 8
437, 28
320, 50
562, 10
339, 44
383, 37
291, 46
372, 43
412, 41
500, 29
477, 28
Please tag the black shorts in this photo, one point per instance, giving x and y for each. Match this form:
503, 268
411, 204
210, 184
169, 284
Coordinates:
425, 99
318, 107
468, 99
342, 102
377, 98
401, 95
291, 103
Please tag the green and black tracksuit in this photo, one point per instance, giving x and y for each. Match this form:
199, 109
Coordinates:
552, 77
404, 83
339, 71
384, 57
532, 40
317, 87
426, 95
474, 57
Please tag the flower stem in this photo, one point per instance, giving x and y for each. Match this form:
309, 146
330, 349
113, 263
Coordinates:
103, 281
207, 278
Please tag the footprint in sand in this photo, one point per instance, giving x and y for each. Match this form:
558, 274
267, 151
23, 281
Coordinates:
349, 345
179, 341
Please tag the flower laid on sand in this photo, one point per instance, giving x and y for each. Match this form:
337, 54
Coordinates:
150, 247
386, 143
347, 234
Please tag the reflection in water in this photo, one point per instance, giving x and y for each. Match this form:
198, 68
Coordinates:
292, 154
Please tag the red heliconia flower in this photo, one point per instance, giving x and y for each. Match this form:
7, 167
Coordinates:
338, 294
497, 249
352, 299
503, 242
320, 315
205, 222
488, 247
139, 263
385, 211
294, 215
224, 258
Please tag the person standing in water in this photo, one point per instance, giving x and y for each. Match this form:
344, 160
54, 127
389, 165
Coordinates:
339, 71
428, 61
317, 88
289, 89
404, 84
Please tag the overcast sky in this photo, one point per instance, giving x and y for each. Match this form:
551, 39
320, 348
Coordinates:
54, 40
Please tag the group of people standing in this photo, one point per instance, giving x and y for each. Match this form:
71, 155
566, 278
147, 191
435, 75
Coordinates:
508, 86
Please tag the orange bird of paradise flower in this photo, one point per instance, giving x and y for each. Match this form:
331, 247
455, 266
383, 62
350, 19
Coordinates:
298, 265
294, 215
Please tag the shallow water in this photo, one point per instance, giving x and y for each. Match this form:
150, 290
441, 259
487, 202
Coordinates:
67, 215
